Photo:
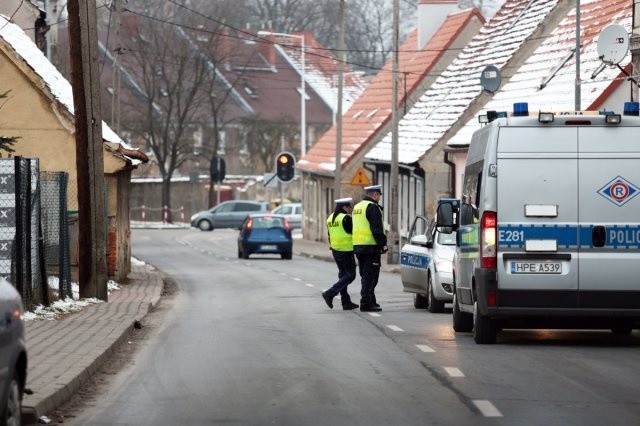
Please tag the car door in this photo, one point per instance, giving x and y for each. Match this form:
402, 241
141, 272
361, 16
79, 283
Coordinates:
240, 212
415, 257
222, 217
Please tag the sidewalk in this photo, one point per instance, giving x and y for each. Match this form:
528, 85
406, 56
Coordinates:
64, 353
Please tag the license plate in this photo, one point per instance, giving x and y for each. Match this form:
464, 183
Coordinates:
536, 267
268, 247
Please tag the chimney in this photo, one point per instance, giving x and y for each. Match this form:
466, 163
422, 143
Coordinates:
268, 49
431, 15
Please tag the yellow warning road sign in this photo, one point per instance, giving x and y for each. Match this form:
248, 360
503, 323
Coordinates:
360, 178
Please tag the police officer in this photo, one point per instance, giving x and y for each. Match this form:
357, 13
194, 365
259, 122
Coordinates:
369, 242
339, 226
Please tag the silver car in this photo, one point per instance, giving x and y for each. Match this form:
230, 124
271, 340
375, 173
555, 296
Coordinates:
13, 355
426, 265
293, 213
230, 214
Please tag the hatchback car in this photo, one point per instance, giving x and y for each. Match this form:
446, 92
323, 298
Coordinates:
229, 214
13, 355
427, 265
265, 233
293, 213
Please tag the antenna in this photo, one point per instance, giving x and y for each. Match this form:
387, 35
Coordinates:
490, 79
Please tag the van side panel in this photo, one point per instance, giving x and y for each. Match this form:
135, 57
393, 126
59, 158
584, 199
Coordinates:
609, 199
537, 210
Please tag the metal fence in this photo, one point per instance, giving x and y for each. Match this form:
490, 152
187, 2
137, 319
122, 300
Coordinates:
55, 229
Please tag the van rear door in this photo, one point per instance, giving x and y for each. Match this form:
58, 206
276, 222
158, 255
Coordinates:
537, 210
609, 217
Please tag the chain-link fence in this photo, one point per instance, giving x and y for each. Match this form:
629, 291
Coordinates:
55, 228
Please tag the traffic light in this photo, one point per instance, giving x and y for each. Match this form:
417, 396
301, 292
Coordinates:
218, 169
285, 166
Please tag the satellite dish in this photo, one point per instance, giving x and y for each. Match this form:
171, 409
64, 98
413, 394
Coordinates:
613, 44
490, 78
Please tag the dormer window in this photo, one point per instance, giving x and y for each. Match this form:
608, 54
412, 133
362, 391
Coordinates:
372, 113
357, 114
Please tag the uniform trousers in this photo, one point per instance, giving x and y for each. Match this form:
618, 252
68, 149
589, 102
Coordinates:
369, 264
346, 263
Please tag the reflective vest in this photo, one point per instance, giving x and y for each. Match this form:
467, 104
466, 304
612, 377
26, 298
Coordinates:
339, 238
362, 235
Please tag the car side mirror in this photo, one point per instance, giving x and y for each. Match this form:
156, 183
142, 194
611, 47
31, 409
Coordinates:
419, 240
445, 216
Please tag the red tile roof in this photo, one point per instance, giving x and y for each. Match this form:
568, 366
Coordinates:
372, 110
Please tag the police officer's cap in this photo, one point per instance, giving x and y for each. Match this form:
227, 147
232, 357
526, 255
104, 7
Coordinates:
373, 188
342, 202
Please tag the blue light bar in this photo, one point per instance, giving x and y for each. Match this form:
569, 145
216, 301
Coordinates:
631, 108
520, 109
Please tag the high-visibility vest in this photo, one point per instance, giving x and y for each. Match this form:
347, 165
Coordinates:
339, 239
362, 235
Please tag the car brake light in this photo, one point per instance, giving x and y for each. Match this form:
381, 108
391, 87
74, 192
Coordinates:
248, 227
488, 233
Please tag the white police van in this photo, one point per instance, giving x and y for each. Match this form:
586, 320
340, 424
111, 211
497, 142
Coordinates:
548, 232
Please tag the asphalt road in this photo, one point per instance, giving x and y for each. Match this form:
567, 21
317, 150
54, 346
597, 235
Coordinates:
251, 342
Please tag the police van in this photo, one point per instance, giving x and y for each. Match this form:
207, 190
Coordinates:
548, 229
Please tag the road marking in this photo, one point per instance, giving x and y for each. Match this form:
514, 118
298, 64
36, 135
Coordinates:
487, 408
453, 372
425, 348
395, 328
297, 279
373, 314
309, 285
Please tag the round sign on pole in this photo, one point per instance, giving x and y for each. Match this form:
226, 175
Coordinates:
490, 78
613, 44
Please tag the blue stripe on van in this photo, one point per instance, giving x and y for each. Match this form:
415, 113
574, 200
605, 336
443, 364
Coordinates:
619, 237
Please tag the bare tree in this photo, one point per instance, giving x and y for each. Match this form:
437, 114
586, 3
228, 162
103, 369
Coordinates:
266, 138
6, 142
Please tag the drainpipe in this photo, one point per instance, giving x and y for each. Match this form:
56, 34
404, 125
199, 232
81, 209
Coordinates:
452, 175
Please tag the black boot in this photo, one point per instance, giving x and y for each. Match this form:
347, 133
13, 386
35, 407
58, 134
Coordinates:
328, 299
349, 306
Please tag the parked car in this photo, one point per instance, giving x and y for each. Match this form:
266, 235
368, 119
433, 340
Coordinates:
265, 233
13, 354
426, 265
229, 214
293, 213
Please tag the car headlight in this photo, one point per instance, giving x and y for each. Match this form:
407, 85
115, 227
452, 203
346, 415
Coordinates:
444, 265
193, 217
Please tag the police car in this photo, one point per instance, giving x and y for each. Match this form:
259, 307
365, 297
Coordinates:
548, 229
426, 264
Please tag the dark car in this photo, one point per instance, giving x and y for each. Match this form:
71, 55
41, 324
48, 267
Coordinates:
265, 233
13, 354
230, 214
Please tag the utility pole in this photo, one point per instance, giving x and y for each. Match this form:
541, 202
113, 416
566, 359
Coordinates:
115, 80
83, 36
394, 249
635, 48
338, 172
578, 89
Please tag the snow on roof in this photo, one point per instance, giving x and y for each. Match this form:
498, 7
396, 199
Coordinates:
559, 93
372, 110
320, 71
57, 85
459, 85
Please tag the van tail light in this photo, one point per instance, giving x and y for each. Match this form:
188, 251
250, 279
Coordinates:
488, 234
248, 227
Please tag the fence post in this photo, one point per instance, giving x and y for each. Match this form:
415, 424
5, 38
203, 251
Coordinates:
182, 214
166, 214
144, 214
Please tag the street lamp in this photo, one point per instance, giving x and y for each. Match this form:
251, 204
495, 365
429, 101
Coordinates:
303, 94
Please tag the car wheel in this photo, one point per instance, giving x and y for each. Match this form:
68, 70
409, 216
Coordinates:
205, 225
11, 415
245, 255
420, 301
286, 255
435, 306
462, 322
239, 254
484, 328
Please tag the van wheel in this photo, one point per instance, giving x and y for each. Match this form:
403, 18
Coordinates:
205, 225
484, 328
420, 301
435, 306
462, 322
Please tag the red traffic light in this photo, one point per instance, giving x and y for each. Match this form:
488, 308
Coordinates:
283, 159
